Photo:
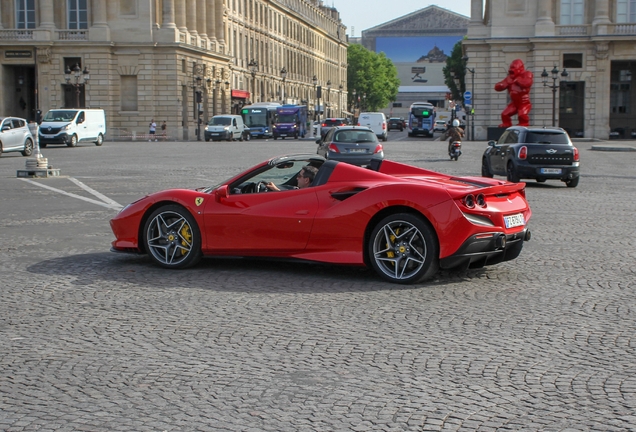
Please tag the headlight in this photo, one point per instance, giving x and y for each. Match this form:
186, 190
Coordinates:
206, 128
65, 127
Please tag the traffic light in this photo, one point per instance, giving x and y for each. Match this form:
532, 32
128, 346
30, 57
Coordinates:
319, 92
199, 97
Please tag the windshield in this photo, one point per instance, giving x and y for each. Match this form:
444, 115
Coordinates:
422, 112
59, 116
224, 121
546, 138
258, 119
287, 118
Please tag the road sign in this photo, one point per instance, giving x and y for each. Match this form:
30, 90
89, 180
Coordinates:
467, 97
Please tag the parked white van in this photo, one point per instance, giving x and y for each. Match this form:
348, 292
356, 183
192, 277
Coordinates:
70, 126
226, 127
376, 121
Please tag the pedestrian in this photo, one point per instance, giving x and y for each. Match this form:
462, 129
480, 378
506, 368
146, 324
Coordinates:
164, 130
153, 130
454, 133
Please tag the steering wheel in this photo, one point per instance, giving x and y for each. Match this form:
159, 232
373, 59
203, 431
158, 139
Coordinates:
261, 186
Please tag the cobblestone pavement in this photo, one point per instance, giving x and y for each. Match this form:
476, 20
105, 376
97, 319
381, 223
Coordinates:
96, 341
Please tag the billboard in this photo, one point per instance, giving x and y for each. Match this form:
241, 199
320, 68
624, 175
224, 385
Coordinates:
419, 59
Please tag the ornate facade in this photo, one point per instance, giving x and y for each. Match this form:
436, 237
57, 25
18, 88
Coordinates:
173, 60
593, 40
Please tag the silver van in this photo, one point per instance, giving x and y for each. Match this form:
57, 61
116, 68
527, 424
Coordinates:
376, 121
226, 127
71, 126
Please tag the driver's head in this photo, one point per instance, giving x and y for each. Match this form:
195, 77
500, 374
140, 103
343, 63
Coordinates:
306, 176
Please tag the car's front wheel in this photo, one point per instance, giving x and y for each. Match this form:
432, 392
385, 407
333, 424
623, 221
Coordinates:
572, 182
511, 175
28, 148
172, 237
73, 141
403, 249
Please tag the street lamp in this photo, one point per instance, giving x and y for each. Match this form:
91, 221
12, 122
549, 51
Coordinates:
253, 66
364, 101
341, 104
472, 98
198, 97
78, 83
283, 74
457, 80
328, 97
554, 86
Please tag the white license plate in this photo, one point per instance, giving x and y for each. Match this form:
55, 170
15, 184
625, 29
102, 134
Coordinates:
357, 150
514, 220
550, 170
214, 133
283, 134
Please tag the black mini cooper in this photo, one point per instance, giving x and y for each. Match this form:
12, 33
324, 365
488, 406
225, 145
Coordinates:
532, 153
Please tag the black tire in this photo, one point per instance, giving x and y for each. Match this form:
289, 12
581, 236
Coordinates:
572, 182
248, 136
172, 237
403, 249
385, 138
73, 141
540, 180
100, 140
42, 145
511, 175
28, 147
241, 138
485, 172
0, 149
207, 139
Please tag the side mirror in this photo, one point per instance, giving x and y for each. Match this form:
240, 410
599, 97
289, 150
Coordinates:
318, 141
221, 193
6, 128
491, 143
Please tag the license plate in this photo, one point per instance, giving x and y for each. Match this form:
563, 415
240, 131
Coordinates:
283, 134
514, 220
357, 150
550, 170
214, 133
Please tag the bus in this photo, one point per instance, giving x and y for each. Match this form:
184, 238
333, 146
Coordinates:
291, 121
422, 119
259, 118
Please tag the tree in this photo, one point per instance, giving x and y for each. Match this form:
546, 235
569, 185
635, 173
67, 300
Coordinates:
371, 74
455, 66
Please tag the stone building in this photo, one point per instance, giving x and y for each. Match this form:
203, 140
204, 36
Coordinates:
593, 40
173, 60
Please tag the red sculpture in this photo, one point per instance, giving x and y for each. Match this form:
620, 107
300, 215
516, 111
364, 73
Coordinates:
518, 83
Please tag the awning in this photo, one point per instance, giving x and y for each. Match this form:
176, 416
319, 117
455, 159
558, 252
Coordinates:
240, 94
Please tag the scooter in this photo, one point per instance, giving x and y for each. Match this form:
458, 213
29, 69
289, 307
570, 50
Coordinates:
455, 150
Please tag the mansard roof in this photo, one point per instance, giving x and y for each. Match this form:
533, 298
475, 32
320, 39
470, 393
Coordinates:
430, 20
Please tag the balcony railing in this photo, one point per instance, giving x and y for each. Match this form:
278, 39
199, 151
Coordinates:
16, 34
73, 35
572, 30
622, 29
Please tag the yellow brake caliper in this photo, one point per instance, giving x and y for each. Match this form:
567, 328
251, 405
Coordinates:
391, 254
187, 238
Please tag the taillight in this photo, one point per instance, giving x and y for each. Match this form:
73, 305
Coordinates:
323, 125
383, 125
358, 123
333, 148
576, 154
378, 148
523, 152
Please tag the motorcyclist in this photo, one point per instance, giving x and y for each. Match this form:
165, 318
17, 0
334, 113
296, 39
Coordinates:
454, 133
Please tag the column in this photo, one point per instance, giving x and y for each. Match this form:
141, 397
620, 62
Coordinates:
1, 16
191, 17
99, 30
601, 17
46, 14
201, 18
180, 16
168, 31
218, 27
211, 19
544, 25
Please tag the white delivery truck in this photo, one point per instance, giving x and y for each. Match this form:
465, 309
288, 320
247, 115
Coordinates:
71, 126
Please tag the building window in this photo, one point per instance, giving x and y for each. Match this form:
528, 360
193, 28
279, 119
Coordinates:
572, 12
620, 90
626, 11
129, 93
573, 61
77, 14
25, 14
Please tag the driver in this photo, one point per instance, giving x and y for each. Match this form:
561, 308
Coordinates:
304, 178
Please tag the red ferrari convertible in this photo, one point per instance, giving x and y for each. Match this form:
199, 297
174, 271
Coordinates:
403, 221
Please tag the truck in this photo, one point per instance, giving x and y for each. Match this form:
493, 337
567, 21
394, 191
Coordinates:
291, 121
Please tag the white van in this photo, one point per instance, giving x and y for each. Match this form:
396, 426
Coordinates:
226, 127
70, 126
376, 121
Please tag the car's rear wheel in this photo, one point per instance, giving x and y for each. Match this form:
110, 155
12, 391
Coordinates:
485, 171
572, 182
248, 136
28, 148
403, 249
100, 140
172, 237
511, 175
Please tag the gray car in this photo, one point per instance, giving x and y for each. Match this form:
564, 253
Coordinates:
357, 145
15, 136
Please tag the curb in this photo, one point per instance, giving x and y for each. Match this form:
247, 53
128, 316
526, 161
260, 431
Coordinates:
613, 148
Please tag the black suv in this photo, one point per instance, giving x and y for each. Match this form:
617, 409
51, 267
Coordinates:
395, 123
533, 153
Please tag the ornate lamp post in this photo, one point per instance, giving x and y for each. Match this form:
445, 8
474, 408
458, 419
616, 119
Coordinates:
315, 81
198, 97
80, 79
472, 98
328, 98
554, 86
253, 66
283, 74
341, 104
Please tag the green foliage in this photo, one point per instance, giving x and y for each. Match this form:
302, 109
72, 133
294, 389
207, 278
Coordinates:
455, 66
372, 74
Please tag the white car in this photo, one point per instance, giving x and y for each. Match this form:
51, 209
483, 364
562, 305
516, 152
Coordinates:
440, 126
15, 136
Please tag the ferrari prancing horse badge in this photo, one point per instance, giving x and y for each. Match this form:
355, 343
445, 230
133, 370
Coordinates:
198, 201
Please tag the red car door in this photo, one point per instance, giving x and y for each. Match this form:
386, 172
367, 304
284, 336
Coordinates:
265, 223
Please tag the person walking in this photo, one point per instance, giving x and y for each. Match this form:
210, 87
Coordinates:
153, 130
164, 130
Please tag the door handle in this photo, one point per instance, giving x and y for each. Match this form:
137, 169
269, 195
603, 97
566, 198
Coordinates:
302, 212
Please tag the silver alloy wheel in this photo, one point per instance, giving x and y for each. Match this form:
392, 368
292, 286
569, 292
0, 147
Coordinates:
169, 238
100, 140
399, 250
28, 148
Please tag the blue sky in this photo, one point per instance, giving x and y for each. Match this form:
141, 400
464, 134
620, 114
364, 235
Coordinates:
364, 14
